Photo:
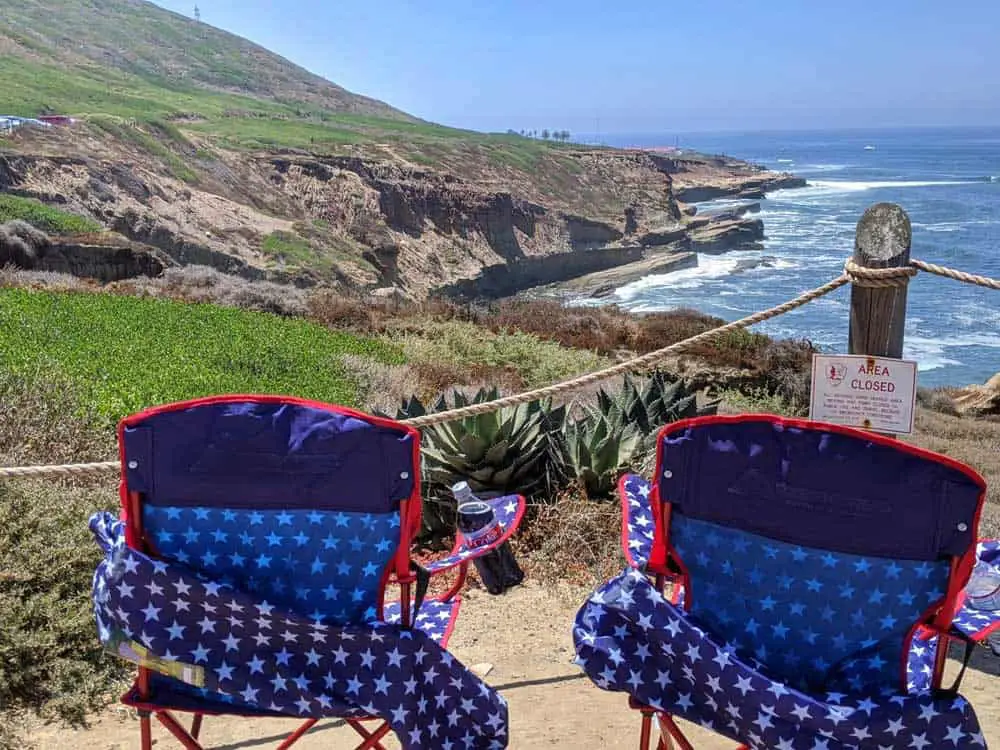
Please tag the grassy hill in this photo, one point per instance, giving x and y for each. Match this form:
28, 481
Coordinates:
156, 56
132, 59
125, 353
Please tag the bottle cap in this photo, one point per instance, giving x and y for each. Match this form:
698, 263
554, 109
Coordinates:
461, 491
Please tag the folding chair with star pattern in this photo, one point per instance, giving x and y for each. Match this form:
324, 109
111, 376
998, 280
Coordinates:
793, 585
309, 507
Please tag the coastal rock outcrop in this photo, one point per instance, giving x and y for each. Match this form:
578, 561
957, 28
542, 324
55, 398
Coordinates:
978, 400
469, 226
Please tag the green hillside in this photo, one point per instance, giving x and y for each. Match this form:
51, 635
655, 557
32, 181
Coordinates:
126, 353
63, 45
131, 59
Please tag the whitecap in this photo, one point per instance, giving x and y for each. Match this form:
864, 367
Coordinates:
941, 226
858, 186
822, 167
709, 268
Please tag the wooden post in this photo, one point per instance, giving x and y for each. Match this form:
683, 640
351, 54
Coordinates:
878, 314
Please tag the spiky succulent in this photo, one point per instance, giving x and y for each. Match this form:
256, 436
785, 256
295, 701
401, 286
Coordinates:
599, 448
617, 432
505, 451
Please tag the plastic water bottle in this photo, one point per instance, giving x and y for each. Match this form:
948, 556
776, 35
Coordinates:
983, 591
478, 525
993, 641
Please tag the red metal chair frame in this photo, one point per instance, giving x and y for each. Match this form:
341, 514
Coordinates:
399, 572
669, 730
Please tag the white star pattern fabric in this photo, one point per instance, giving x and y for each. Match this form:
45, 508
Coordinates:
977, 624
637, 543
630, 639
508, 511
217, 643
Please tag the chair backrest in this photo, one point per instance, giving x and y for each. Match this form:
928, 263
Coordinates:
309, 505
813, 548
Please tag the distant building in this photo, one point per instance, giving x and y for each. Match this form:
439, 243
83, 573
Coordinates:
9, 123
57, 119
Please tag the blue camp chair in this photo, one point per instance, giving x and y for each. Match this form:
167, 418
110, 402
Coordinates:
791, 585
247, 575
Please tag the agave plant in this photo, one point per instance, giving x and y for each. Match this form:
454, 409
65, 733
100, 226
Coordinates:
622, 427
599, 448
652, 404
506, 451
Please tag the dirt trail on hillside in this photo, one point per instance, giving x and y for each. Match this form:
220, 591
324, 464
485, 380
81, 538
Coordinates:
525, 635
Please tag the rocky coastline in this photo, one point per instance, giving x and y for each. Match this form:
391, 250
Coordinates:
710, 233
371, 224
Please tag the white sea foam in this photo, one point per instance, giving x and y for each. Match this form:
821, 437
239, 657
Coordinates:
709, 268
941, 226
928, 353
822, 167
934, 353
854, 186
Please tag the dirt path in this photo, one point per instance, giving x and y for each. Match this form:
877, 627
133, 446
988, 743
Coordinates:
525, 635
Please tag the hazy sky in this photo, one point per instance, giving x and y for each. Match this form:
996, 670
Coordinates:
644, 66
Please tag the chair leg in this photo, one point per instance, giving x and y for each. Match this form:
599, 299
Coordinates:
172, 726
371, 739
297, 734
145, 731
196, 725
646, 730
669, 728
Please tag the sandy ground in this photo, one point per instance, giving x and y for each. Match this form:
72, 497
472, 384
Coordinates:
525, 635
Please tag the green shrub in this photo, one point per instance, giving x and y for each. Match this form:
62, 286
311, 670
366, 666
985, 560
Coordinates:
538, 362
288, 247
127, 353
44, 217
51, 662
759, 400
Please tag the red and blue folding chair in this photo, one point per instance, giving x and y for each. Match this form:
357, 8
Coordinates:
248, 572
814, 576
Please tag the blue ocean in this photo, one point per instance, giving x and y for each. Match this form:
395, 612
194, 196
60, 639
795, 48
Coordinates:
948, 181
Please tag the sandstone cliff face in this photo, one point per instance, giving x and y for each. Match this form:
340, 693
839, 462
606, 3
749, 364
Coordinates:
362, 223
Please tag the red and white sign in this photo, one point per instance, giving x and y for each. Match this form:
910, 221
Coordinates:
874, 393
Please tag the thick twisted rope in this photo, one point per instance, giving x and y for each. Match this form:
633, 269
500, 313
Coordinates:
889, 277
633, 364
853, 274
878, 278
951, 273
66, 470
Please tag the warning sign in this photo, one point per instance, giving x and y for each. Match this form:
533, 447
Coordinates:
874, 393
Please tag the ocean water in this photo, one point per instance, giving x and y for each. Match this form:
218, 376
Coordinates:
948, 181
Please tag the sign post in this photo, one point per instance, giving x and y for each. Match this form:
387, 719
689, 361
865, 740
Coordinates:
874, 393
878, 310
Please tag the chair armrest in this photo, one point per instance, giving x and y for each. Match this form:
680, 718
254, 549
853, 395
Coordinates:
977, 624
637, 520
509, 511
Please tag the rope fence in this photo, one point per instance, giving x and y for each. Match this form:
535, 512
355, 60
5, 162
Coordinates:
853, 274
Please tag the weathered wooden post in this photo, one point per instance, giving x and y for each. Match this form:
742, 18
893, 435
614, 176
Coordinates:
878, 314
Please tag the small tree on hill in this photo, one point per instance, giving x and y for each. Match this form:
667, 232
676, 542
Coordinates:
197, 13
545, 134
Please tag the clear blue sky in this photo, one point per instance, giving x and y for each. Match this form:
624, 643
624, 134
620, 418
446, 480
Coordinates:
644, 66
